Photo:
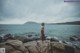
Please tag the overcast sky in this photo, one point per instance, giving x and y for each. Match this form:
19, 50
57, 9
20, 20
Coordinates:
49, 11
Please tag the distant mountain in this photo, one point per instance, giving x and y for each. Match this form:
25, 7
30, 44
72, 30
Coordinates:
65, 23
71, 23
30, 22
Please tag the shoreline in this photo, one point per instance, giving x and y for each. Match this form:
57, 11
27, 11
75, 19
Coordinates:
19, 45
21, 40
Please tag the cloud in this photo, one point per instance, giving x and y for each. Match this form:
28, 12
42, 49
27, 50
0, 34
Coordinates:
20, 11
1, 19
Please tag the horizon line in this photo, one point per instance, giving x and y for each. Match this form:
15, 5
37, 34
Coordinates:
34, 22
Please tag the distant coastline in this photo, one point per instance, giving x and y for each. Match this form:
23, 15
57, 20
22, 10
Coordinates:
30, 22
64, 23
71, 23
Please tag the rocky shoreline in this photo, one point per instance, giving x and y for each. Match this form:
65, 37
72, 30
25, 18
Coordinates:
20, 44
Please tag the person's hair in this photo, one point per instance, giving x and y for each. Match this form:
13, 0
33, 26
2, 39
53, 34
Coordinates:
42, 24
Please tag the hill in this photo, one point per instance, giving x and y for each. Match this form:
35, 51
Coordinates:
30, 22
65, 23
71, 23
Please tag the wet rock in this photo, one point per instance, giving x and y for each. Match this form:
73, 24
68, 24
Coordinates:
31, 39
8, 36
75, 38
29, 35
72, 39
21, 38
52, 38
1, 39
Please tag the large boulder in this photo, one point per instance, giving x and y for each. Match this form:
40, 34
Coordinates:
61, 48
31, 46
21, 38
69, 49
9, 49
56, 47
8, 36
18, 45
75, 38
50, 47
13, 46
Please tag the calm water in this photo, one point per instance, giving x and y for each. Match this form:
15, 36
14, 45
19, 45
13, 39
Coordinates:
61, 31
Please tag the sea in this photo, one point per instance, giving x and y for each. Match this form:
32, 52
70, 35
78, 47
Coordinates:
62, 32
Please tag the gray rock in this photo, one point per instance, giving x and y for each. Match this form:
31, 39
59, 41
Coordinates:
13, 46
61, 48
69, 49
8, 36
1, 39
75, 38
53, 47
16, 51
16, 44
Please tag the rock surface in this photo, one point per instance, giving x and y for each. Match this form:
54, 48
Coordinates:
8, 36
53, 47
75, 38
1, 39
17, 46
13, 46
